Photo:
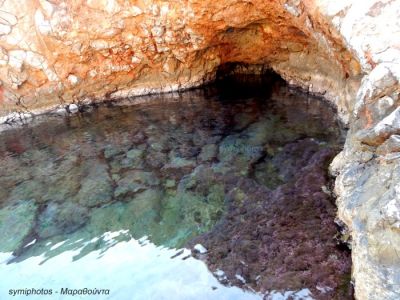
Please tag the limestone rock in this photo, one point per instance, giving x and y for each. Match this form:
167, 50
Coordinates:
138, 49
392, 144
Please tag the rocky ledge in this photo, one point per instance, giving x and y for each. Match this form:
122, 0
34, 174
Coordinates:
56, 55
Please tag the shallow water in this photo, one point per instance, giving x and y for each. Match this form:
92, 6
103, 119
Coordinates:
111, 198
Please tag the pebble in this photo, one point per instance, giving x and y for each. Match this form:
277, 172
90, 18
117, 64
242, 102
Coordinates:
200, 249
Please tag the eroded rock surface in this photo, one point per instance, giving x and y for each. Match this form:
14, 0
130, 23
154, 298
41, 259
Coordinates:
53, 53
367, 168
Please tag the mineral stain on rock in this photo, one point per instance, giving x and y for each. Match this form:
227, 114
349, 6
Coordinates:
237, 169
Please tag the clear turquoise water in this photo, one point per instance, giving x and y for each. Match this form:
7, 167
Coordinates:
109, 198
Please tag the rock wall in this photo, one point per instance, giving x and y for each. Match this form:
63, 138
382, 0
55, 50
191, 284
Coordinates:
368, 169
55, 54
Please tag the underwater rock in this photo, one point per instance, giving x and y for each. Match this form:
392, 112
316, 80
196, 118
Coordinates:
61, 218
96, 187
176, 162
134, 181
208, 152
134, 159
27, 190
185, 215
134, 154
156, 159
237, 154
170, 183
138, 215
16, 223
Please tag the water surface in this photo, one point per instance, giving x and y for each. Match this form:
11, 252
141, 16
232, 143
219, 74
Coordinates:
114, 198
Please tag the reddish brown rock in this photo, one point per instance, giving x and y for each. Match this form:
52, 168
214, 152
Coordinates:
80, 51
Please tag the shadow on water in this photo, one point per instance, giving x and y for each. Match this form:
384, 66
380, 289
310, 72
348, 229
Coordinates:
114, 196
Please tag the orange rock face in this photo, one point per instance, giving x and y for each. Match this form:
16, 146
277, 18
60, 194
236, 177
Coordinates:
73, 51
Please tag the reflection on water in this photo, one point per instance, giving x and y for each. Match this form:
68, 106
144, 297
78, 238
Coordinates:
130, 269
110, 198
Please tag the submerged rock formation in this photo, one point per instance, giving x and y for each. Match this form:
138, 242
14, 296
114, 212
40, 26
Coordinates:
55, 55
